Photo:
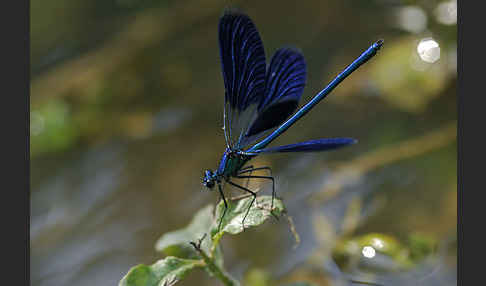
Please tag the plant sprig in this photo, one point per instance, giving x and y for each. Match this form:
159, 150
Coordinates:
187, 248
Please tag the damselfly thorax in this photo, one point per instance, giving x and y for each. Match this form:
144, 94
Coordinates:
231, 162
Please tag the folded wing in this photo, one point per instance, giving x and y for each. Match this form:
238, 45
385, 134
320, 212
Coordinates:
316, 145
284, 84
243, 65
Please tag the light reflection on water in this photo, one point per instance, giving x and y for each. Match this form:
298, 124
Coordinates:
446, 12
368, 252
428, 50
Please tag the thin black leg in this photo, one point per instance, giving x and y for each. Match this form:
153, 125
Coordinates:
225, 206
254, 198
248, 180
247, 169
250, 169
263, 177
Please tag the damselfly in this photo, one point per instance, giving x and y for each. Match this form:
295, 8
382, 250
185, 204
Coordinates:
259, 99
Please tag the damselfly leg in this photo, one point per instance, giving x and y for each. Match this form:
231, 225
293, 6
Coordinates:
250, 169
225, 206
273, 188
262, 177
252, 201
246, 170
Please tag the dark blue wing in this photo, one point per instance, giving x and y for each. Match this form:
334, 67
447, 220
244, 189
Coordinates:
310, 146
243, 64
285, 77
284, 84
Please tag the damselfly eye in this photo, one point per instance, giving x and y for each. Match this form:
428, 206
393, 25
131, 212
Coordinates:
208, 180
209, 184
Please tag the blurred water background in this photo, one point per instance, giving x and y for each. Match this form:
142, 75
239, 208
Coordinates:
126, 113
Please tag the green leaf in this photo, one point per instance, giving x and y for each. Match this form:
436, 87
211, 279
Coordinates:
232, 221
164, 272
176, 243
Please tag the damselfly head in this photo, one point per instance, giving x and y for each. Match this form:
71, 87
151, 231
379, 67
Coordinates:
208, 179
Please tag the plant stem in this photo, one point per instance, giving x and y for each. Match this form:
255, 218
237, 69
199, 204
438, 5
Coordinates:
213, 268
218, 272
215, 242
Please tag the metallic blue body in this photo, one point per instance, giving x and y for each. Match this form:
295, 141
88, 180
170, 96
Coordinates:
261, 97
368, 54
231, 162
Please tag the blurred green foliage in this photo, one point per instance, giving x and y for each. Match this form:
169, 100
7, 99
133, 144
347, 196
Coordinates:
52, 128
